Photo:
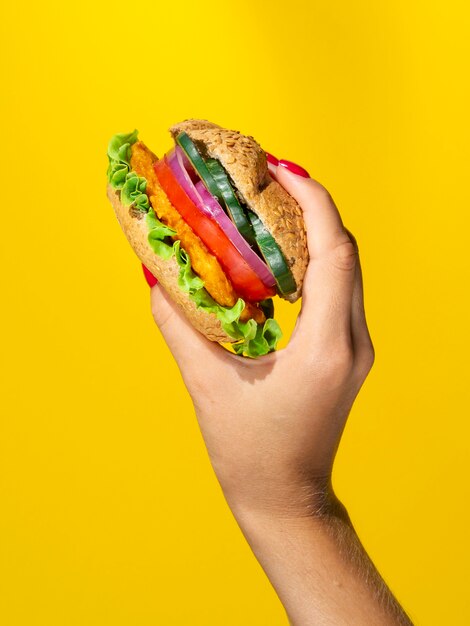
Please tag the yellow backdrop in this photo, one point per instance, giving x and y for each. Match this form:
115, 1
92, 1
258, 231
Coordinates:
110, 513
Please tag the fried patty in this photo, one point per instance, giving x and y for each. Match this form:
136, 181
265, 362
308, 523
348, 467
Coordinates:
203, 262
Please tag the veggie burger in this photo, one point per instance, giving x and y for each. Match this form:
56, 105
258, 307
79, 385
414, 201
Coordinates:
210, 223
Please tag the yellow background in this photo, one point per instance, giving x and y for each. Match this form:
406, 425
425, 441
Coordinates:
110, 513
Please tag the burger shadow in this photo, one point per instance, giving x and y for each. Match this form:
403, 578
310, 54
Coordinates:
252, 371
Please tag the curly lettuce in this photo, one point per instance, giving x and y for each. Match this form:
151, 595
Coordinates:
119, 155
133, 192
252, 339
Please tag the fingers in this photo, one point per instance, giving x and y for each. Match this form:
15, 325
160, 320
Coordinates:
358, 315
360, 332
363, 347
329, 281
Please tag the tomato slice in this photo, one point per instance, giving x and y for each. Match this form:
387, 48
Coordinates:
244, 280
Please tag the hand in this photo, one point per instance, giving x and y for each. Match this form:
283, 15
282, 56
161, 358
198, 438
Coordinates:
272, 426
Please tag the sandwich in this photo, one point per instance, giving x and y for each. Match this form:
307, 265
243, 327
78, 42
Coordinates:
217, 231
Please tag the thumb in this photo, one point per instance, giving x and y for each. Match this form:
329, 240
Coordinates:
321, 217
185, 342
329, 281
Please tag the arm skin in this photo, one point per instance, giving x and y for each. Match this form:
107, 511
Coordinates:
320, 570
272, 427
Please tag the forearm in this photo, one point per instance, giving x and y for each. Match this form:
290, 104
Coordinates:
320, 570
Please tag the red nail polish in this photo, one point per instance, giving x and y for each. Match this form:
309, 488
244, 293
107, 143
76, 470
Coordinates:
272, 159
149, 277
294, 168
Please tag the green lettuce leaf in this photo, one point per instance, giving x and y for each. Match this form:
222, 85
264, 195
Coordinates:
119, 155
265, 339
133, 192
157, 235
119, 147
187, 279
117, 173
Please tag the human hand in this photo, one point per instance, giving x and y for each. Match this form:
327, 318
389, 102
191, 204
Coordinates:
272, 425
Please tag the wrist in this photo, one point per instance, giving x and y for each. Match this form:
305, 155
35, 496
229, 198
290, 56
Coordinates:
297, 548
315, 501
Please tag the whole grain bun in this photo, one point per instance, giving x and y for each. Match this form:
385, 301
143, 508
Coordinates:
245, 162
135, 228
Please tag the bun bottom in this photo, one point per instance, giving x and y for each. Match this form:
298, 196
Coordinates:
166, 271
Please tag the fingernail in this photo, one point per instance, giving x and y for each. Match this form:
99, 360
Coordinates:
149, 277
294, 168
272, 159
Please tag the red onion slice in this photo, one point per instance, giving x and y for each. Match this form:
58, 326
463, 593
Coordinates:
208, 205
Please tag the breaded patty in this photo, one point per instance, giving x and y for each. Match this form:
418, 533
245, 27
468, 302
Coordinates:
204, 263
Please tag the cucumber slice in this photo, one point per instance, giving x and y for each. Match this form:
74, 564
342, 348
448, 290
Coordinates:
273, 256
199, 164
234, 208
217, 183
252, 229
